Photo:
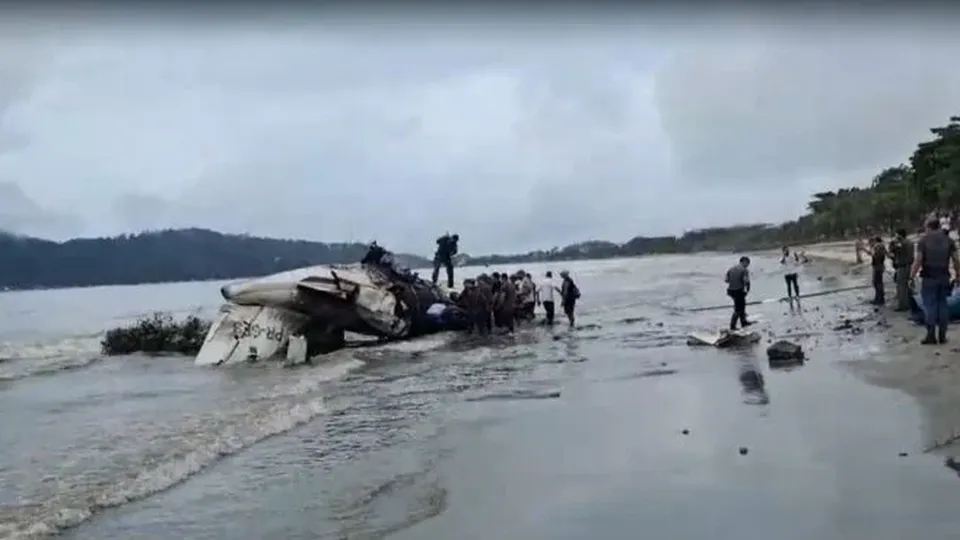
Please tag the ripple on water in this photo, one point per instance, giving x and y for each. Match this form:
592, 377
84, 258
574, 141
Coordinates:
105, 469
366, 462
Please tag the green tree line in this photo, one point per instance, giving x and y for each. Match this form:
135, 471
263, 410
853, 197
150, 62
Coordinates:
161, 256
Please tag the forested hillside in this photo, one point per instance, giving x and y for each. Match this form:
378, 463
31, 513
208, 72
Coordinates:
171, 255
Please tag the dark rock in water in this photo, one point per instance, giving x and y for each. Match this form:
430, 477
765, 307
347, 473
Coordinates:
743, 450
783, 353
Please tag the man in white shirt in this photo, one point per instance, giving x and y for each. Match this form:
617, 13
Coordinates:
528, 297
545, 295
790, 262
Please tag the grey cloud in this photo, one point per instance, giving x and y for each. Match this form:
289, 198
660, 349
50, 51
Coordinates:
769, 106
514, 141
22, 215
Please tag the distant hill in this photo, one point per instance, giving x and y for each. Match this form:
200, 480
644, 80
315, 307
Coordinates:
200, 254
737, 237
163, 256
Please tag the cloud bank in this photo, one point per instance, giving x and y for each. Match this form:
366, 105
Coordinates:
515, 138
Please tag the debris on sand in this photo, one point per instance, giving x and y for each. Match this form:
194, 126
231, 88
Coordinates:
952, 464
722, 339
848, 325
783, 354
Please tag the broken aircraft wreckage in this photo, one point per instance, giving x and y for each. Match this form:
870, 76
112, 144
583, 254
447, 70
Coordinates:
306, 311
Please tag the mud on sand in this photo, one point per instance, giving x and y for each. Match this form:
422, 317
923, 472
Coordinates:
929, 374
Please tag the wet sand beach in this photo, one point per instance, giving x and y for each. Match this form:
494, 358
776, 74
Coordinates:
931, 375
615, 429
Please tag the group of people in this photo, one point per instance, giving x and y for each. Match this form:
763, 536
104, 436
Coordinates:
930, 260
737, 279
901, 254
499, 301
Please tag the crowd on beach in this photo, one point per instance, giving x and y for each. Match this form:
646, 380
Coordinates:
499, 301
495, 302
929, 255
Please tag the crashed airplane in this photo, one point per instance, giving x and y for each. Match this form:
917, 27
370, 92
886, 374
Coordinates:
306, 311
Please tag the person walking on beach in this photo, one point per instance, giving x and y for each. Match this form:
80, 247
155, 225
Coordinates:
935, 254
545, 296
738, 287
858, 249
569, 294
901, 254
791, 267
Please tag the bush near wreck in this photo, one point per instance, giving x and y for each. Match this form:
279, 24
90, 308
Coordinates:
157, 333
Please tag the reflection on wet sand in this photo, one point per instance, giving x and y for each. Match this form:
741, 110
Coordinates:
611, 430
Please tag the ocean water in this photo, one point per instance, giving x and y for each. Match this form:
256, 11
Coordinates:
614, 429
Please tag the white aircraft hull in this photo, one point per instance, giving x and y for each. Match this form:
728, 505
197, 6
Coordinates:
263, 314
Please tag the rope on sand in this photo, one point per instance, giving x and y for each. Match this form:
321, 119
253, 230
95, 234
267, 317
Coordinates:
784, 298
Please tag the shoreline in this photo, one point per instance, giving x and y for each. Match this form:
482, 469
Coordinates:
928, 374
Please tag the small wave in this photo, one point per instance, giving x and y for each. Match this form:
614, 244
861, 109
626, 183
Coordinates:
423, 344
312, 378
52, 348
652, 373
515, 395
70, 507
19, 360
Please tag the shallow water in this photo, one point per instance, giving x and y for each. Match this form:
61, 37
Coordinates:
616, 429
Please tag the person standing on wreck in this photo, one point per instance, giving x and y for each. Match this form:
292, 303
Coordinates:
935, 253
738, 287
446, 249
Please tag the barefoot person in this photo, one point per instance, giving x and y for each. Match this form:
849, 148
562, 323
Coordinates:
738, 287
935, 253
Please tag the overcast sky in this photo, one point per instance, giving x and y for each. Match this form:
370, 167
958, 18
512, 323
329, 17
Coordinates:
514, 132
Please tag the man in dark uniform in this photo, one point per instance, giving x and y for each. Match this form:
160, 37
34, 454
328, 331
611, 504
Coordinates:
738, 287
481, 313
467, 301
935, 254
505, 304
901, 253
446, 249
569, 294
878, 261
374, 254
